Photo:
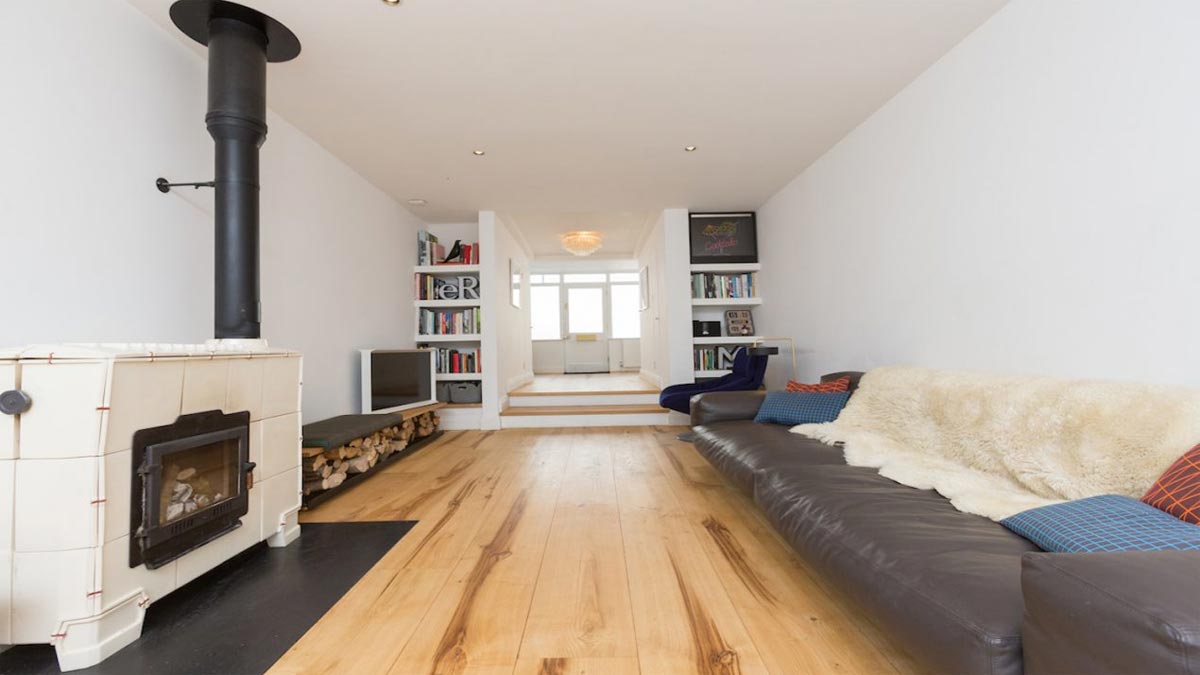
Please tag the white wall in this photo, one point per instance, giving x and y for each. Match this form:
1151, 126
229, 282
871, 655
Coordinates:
507, 348
99, 102
1029, 204
666, 344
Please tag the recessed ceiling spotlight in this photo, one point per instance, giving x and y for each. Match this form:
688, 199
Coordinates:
689, 148
478, 153
391, 3
417, 202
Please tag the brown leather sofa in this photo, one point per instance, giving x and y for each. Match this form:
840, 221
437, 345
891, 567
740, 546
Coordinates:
960, 592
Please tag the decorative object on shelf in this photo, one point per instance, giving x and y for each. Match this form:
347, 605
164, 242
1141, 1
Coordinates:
716, 238
706, 329
433, 287
714, 358
581, 242
455, 252
430, 252
644, 288
739, 322
516, 274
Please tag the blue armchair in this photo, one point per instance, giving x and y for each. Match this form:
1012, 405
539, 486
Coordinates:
747, 375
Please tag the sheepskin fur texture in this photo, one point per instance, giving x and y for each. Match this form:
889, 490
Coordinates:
996, 445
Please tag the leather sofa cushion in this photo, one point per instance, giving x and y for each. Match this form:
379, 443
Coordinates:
740, 448
946, 583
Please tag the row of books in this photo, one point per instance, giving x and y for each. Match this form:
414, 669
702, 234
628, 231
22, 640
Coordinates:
714, 285
456, 360
449, 321
433, 287
430, 251
713, 358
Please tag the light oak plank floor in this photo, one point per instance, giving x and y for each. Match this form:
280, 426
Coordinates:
579, 552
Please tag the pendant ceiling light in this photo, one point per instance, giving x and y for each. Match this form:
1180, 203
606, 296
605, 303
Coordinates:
581, 243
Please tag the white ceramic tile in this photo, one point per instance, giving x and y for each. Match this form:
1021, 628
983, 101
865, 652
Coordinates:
7, 502
64, 420
49, 588
8, 427
115, 491
54, 509
144, 394
281, 386
245, 390
280, 444
280, 495
205, 382
256, 446
223, 548
6, 574
118, 580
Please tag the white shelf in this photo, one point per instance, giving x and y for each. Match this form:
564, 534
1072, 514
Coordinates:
447, 303
458, 377
711, 373
727, 340
446, 269
725, 302
461, 337
728, 267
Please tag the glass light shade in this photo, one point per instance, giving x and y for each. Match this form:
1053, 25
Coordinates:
581, 243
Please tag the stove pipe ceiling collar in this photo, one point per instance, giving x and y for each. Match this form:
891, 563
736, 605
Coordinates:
241, 41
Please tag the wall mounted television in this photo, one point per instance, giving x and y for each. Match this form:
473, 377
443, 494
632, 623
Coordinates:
396, 379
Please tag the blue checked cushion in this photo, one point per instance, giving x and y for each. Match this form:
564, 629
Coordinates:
1103, 524
786, 407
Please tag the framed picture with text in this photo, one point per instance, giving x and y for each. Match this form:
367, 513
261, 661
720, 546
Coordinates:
716, 238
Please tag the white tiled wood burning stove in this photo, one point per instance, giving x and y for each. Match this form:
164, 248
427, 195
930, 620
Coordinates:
133, 470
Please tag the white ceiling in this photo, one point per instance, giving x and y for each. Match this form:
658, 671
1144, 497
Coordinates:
584, 106
622, 231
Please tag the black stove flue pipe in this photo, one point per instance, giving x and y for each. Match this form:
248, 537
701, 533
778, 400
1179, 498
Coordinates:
241, 41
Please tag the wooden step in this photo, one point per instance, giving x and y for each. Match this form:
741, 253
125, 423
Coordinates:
629, 409
597, 392
582, 401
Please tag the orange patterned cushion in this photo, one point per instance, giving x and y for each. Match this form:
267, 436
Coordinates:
840, 384
1177, 491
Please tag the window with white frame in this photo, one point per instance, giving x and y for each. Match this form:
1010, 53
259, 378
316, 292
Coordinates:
584, 305
545, 307
626, 320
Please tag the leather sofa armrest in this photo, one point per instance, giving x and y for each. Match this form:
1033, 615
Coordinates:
1131, 612
724, 406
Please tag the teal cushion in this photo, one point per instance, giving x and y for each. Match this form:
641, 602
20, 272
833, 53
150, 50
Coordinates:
1103, 524
790, 408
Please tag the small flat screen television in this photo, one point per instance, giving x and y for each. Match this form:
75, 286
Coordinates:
396, 379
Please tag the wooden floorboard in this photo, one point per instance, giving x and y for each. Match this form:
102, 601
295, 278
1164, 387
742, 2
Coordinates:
579, 551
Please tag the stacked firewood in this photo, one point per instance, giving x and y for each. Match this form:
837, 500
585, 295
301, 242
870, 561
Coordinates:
325, 469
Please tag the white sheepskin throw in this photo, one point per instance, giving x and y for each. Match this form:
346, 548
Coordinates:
996, 445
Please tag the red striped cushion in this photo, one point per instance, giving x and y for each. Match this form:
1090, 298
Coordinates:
840, 384
1177, 491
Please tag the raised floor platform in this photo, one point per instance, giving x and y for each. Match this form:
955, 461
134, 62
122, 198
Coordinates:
577, 400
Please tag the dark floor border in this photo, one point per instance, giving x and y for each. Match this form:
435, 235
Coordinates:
240, 617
